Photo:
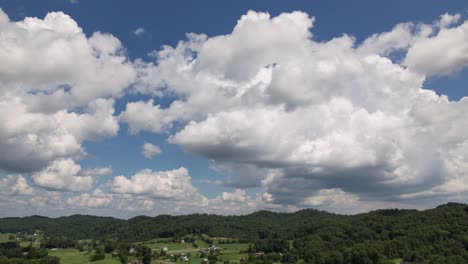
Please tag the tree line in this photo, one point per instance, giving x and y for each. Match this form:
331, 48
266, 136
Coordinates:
438, 235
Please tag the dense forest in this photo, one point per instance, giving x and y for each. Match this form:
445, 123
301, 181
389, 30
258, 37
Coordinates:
438, 235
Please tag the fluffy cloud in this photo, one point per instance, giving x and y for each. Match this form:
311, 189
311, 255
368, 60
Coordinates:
55, 89
97, 199
150, 150
323, 121
64, 175
172, 185
15, 185
437, 49
336, 124
137, 114
54, 62
36, 138
442, 53
47, 201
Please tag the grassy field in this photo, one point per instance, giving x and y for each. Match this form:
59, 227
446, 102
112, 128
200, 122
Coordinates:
229, 252
73, 256
232, 253
4, 238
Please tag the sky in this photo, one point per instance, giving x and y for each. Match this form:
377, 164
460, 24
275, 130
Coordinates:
176, 107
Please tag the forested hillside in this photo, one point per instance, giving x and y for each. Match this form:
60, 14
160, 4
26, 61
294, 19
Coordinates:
437, 235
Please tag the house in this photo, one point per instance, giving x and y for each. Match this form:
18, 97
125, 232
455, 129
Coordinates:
184, 258
205, 261
131, 251
182, 241
214, 248
164, 249
259, 253
203, 250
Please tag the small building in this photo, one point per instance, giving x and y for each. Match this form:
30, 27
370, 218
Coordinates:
214, 248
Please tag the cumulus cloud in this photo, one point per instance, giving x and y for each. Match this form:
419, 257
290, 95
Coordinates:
137, 114
430, 49
63, 175
97, 199
323, 121
73, 69
15, 185
172, 185
47, 201
56, 89
336, 124
443, 53
150, 150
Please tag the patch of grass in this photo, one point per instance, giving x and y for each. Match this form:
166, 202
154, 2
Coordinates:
73, 256
4, 237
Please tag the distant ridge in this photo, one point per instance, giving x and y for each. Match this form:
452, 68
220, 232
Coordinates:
144, 227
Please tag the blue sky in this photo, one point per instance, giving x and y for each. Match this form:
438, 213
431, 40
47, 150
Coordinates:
233, 174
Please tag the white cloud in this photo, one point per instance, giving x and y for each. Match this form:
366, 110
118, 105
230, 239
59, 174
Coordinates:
15, 185
103, 171
52, 64
150, 150
136, 205
333, 124
63, 175
56, 89
172, 185
311, 116
139, 31
447, 20
443, 53
47, 201
430, 49
137, 115
30, 140
97, 199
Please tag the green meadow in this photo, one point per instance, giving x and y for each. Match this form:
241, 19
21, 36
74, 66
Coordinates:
73, 256
229, 252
